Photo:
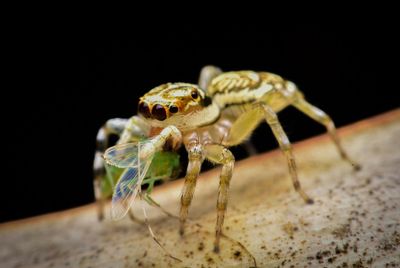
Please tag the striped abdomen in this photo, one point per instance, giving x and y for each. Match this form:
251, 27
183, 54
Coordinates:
246, 87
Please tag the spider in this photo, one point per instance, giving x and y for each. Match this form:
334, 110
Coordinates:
221, 111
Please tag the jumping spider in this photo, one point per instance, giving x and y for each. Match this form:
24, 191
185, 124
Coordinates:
222, 111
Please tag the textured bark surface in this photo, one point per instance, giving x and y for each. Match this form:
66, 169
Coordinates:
354, 222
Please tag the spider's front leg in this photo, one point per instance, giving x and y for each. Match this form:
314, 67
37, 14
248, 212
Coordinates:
113, 126
196, 158
170, 133
221, 155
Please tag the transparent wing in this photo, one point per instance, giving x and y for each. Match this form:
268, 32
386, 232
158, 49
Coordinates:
123, 155
129, 183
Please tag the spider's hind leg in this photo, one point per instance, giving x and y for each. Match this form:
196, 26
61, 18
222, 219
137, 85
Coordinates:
246, 123
322, 118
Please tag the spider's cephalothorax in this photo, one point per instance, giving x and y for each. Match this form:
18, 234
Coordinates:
208, 120
179, 104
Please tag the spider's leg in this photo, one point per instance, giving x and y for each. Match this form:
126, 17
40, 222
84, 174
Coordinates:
133, 130
243, 127
221, 155
127, 130
112, 126
207, 74
171, 134
247, 122
324, 119
239, 133
195, 154
286, 147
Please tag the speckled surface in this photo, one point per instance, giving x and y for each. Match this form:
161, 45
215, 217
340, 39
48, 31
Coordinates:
354, 222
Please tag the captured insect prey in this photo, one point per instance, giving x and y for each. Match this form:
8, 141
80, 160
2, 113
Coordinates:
220, 112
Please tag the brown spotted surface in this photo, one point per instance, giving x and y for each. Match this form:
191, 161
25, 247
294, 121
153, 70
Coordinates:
354, 222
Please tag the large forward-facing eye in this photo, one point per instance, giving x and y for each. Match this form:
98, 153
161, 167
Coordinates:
144, 109
158, 112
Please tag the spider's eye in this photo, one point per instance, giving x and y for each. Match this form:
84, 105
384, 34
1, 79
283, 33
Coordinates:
173, 109
194, 94
144, 109
159, 112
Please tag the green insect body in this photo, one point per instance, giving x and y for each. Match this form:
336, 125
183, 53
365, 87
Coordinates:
164, 166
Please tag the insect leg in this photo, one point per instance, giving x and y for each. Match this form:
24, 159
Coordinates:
196, 158
322, 118
132, 217
112, 126
154, 204
146, 221
221, 155
286, 147
149, 200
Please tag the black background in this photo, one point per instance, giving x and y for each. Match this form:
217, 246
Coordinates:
67, 85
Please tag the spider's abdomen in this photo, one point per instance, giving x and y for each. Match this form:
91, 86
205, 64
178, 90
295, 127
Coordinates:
243, 87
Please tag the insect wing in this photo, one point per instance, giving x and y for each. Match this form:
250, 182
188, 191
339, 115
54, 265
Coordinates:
123, 155
129, 184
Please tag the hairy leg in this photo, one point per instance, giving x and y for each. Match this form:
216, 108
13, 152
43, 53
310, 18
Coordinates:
207, 74
196, 158
322, 118
284, 144
112, 126
127, 130
221, 155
